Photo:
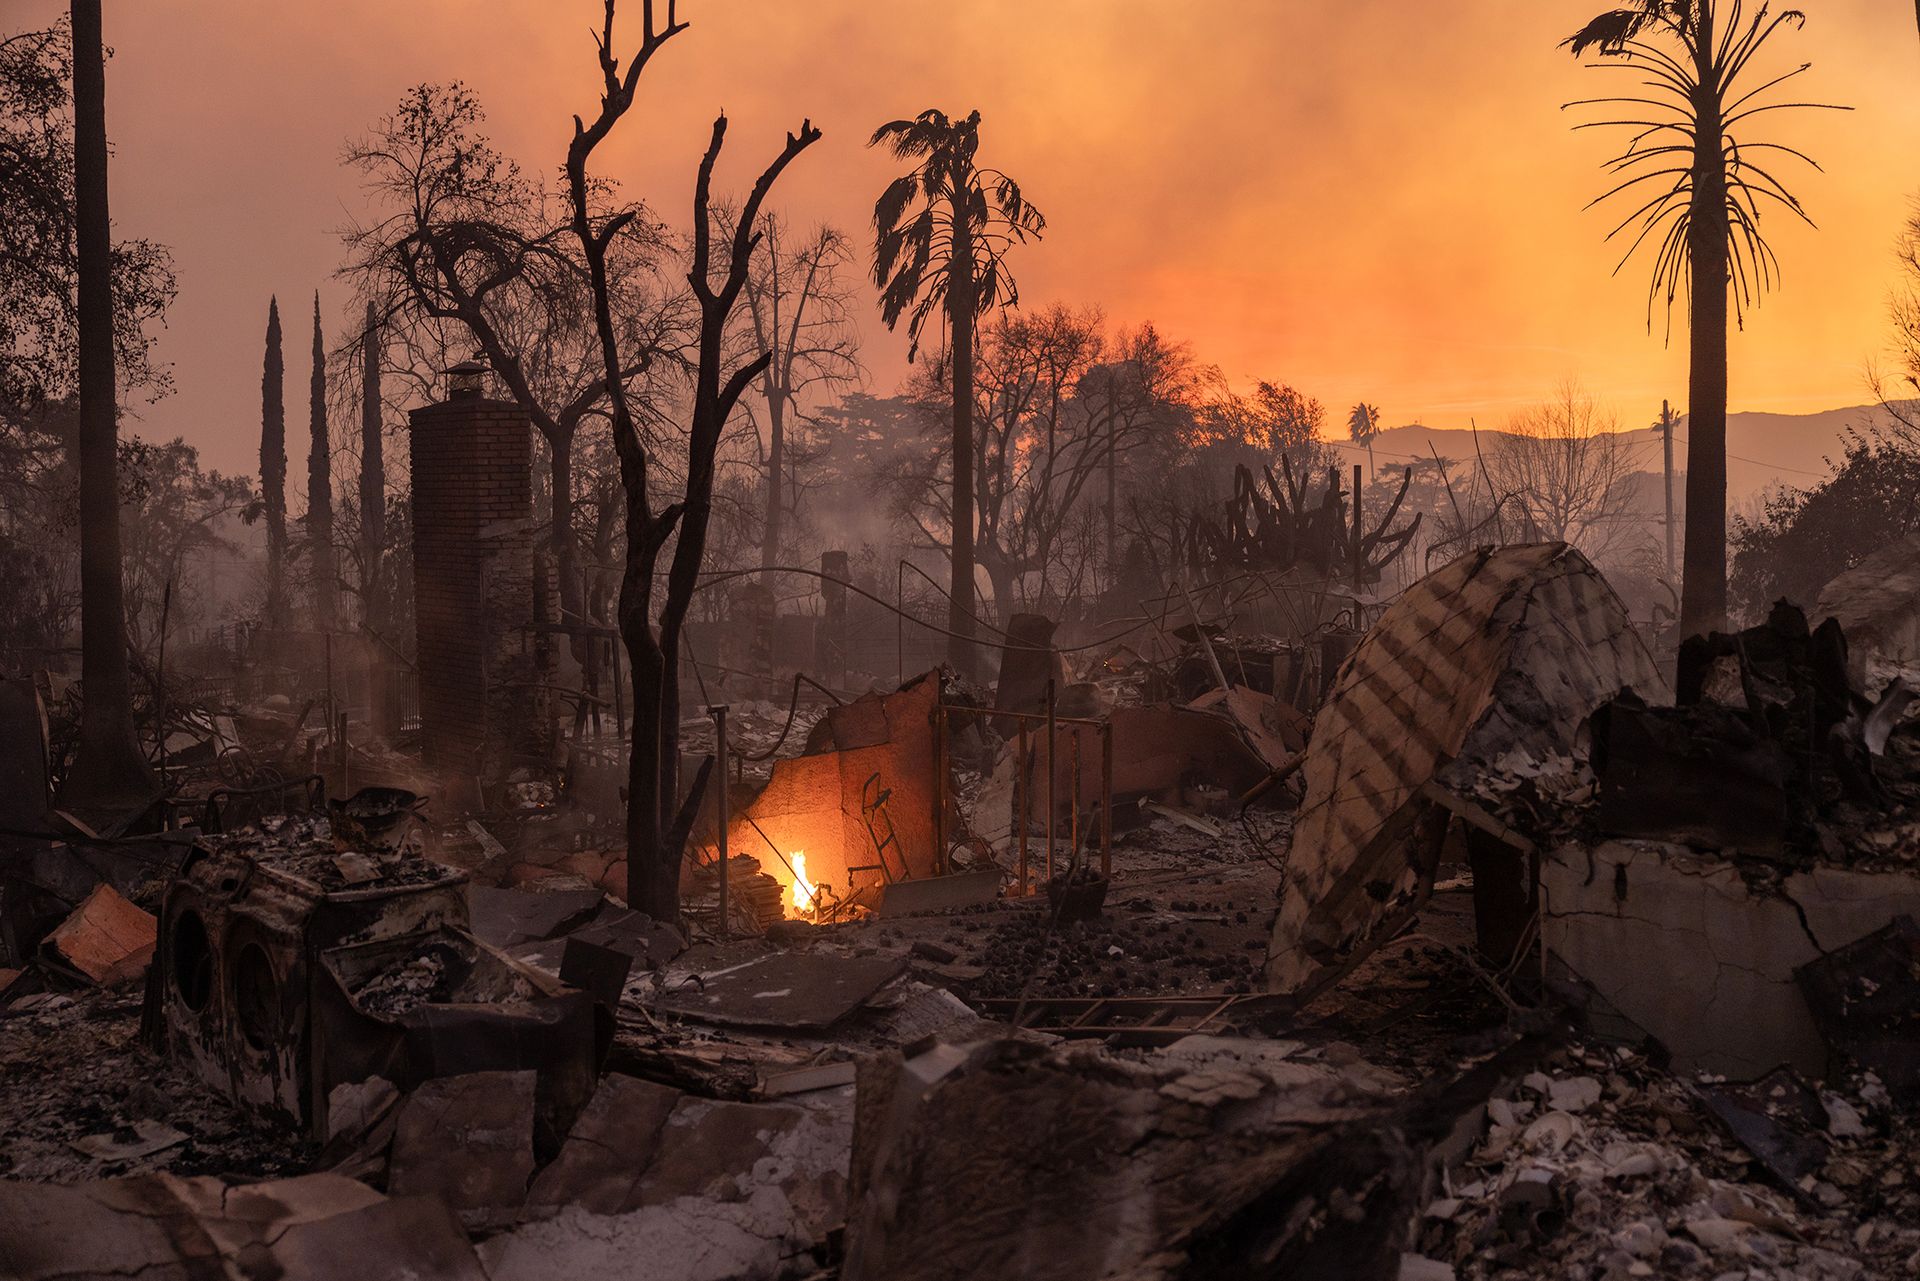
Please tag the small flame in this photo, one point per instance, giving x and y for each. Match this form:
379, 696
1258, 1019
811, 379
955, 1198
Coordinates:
803, 889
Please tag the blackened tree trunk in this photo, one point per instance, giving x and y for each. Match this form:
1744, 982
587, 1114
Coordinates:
1113, 486
566, 560
1703, 597
320, 487
658, 818
776, 464
373, 474
273, 465
961, 299
108, 773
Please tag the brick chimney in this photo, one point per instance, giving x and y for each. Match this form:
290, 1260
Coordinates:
482, 706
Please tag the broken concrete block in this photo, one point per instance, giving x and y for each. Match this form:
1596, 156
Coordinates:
319, 1227
938, 893
716, 1191
1003, 1158
1505, 649
608, 1151
467, 1140
508, 918
1865, 997
1683, 946
107, 939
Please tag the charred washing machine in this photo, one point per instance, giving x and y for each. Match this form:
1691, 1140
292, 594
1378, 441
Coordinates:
266, 946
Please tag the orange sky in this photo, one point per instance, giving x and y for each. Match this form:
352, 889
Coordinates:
1366, 198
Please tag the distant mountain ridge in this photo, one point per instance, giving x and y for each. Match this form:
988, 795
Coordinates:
1762, 448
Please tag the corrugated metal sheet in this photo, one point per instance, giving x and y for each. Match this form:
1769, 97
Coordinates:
1503, 648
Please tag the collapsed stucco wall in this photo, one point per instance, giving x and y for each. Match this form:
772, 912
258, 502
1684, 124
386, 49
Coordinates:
1678, 943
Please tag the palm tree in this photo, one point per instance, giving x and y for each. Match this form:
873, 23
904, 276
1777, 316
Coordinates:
1363, 424
941, 234
109, 776
1704, 217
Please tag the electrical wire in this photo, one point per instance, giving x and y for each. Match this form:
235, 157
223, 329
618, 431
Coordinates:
718, 576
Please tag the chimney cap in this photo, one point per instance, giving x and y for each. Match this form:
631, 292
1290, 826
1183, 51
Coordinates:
464, 380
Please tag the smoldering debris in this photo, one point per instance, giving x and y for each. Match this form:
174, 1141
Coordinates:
1605, 987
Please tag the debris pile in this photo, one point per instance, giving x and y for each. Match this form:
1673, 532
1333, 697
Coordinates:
1604, 1166
1492, 966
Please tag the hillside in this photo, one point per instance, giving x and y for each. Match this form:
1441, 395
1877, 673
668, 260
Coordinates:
1762, 448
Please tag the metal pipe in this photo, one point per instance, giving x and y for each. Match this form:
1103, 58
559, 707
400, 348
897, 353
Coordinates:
719, 714
940, 779
1359, 561
1053, 765
1023, 803
1106, 799
1073, 806
619, 692
998, 712
1206, 642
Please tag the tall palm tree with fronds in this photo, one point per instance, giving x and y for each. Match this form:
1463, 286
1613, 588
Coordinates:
941, 234
1690, 57
1363, 424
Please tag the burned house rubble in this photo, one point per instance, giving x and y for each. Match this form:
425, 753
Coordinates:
1468, 938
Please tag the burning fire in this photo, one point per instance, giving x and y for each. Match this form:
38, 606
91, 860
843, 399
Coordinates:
803, 890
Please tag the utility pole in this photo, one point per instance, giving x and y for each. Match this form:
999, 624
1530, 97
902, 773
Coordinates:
1665, 428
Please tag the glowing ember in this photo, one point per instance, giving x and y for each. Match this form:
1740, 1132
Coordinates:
803, 889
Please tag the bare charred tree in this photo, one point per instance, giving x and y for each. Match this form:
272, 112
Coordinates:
373, 471
320, 485
1703, 218
1565, 470
108, 773
1038, 448
657, 820
801, 314
474, 253
1146, 394
941, 234
273, 464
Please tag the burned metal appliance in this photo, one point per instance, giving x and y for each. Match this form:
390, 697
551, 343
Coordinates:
245, 987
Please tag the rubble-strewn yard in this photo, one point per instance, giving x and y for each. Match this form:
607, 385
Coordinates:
1493, 965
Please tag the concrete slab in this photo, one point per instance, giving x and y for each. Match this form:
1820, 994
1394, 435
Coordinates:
317, 1226
1679, 943
467, 1140
508, 918
939, 893
783, 990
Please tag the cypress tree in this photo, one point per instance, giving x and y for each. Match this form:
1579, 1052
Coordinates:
320, 486
373, 470
273, 465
